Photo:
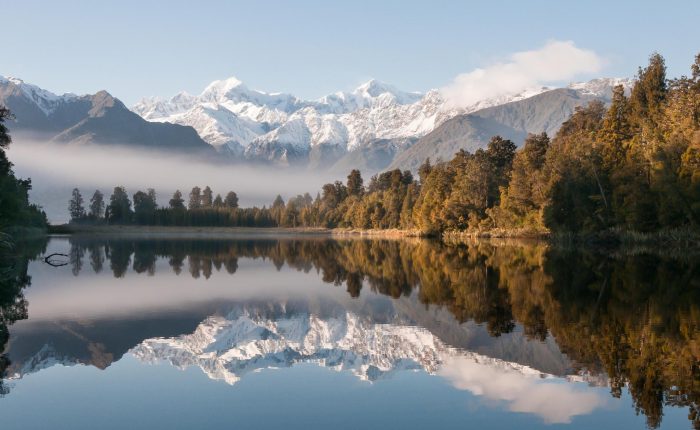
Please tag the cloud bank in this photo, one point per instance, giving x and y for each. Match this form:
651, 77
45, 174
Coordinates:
556, 61
55, 169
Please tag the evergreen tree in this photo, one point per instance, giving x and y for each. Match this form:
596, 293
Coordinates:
76, 209
278, 203
218, 202
424, 170
195, 198
207, 197
5, 138
144, 208
15, 209
152, 195
231, 200
354, 186
97, 205
119, 209
177, 202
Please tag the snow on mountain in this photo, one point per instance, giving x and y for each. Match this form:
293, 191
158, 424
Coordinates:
227, 113
276, 126
601, 87
226, 348
45, 100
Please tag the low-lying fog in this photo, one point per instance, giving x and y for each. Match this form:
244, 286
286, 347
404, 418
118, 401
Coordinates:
55, 169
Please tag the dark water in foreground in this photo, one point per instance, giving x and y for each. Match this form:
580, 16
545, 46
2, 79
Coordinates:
314, 333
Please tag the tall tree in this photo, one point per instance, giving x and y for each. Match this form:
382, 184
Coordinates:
207, 197
218, 201
177, 202
144, 207
76, 208
119, 209
231, 200
5, 138
97, 205
195, 201
355, 187
15, 208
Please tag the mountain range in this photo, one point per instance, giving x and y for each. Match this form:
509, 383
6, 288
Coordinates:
373, 127
90, 119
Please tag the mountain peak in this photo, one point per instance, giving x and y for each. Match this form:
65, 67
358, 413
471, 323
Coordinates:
375, 88
223, 86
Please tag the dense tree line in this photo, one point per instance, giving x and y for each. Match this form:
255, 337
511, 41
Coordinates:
15, 208
634, 165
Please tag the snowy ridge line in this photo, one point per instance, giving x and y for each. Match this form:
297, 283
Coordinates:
227, 348
44, 99
234, 118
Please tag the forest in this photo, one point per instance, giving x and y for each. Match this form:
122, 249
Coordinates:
631, 166
15, 208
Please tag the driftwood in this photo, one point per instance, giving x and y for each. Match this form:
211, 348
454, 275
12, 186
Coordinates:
48, 261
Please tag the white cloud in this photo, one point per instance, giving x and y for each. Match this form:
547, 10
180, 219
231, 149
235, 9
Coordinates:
552, 399
556, 61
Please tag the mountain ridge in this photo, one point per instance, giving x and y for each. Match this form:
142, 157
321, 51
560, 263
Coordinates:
341, 128
96, 118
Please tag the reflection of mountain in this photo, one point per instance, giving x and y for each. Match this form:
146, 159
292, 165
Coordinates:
245, 341
631, 315
40, 344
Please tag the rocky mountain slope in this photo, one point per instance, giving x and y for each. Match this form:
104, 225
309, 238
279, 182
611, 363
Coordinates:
98, 118
514, 120
368, 128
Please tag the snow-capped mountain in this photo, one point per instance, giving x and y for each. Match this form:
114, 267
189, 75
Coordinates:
92, 118
45, 100
281, 128
227, 348
244, 341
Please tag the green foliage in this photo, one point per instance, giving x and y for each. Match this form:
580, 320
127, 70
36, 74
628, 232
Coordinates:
15, 208
97, 205
119, 209
76, 209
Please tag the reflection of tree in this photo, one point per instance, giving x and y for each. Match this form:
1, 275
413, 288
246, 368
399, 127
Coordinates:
634, 317
13, 305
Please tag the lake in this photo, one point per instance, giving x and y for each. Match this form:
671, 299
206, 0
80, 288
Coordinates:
313, 332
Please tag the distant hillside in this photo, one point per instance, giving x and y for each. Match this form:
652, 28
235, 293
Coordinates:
542, 112
98, 118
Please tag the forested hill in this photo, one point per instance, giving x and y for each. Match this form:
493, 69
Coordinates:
633, 166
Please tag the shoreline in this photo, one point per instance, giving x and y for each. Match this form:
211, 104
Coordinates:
683, 238
224, 232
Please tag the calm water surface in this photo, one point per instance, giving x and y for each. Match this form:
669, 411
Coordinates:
315, 333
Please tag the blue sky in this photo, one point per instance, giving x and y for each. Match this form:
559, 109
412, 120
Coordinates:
311, 48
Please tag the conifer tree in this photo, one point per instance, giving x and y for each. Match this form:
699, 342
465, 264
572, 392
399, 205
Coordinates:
354, 186
231, 200
75, 206
119, 209
177, 202
195, 201
97, 205
207, 197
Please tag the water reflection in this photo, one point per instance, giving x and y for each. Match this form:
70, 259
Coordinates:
497, 319
13, 305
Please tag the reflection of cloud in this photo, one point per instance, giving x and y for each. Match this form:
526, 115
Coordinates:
556, 61
551, 399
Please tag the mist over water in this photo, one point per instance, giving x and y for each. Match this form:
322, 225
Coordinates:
55, 169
